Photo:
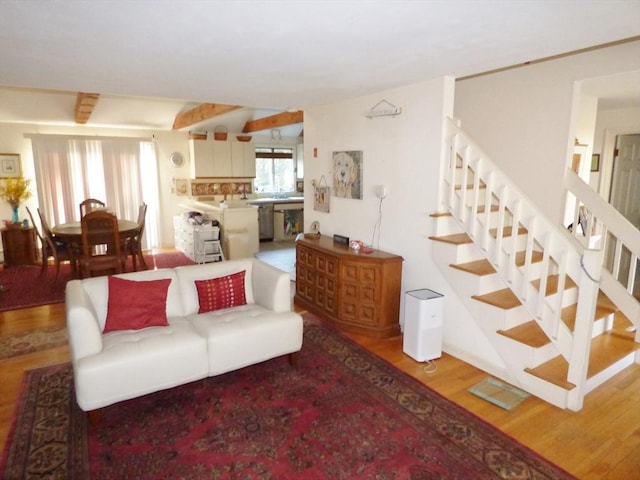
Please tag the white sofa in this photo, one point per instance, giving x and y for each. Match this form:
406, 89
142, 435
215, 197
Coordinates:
123, 364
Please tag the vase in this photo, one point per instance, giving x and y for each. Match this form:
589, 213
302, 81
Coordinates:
15, 218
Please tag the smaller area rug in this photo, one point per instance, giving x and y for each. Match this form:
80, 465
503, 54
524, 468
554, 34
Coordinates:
22, 287
33, 341
343, 413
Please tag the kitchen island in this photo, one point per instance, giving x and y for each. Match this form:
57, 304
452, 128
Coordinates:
238, 224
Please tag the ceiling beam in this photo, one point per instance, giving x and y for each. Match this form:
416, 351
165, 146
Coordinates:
274, 121
84, 106
200, 113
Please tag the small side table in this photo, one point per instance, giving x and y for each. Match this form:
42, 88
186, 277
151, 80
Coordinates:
19, 246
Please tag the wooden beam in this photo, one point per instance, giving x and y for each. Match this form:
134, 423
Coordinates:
84, 106
200, 113
274, 121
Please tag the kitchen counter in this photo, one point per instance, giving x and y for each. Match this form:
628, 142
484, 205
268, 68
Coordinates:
234, 220
258, 201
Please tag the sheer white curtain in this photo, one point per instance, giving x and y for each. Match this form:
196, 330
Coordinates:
122, 172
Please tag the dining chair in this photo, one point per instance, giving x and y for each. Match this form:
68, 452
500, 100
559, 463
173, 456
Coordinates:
133, 245
100, 244
89, 205
50, 246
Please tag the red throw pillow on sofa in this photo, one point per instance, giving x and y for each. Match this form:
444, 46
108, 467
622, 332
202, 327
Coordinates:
134, 305
221, 292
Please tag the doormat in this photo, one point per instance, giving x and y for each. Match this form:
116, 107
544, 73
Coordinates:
499, 393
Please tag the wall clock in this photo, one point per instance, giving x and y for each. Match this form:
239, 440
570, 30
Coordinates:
176, 159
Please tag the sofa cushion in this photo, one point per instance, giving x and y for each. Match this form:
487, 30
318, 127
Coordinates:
241, 336
221, 292
134, 305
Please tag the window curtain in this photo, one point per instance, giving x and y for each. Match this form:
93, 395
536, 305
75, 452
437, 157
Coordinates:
122, 172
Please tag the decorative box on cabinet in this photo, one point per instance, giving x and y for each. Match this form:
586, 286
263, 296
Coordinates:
358, 292
19, 246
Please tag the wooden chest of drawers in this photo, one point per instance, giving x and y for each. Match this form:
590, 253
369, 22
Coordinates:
358, 292
19, 246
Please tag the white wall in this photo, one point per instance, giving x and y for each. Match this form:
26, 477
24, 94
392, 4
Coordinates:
403, 153
524, 118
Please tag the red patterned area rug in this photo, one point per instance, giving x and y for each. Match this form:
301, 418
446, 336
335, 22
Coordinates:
343, 413
22, 287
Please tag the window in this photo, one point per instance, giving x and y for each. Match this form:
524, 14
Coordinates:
120, 171
275, 170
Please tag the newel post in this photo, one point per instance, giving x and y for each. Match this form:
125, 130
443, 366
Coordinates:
588, 287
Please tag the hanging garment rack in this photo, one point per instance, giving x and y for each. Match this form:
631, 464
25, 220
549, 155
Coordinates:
386, 109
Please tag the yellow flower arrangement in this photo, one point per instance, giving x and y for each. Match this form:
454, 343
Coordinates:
15, 190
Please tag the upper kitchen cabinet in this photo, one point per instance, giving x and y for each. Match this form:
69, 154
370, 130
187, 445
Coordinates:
215, 158
243, 156
222, 165
201, 156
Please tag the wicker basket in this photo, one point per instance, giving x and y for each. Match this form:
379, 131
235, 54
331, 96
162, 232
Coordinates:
220, 133
244, 138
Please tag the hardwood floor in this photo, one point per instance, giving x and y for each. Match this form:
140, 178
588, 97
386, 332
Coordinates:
600, 442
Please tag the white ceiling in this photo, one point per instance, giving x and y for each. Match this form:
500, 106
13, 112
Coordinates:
152, 59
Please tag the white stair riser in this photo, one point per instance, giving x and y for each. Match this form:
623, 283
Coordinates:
503, 319
529, 357
476, 284
450, 253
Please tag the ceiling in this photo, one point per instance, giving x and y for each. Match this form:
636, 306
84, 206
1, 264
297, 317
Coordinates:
150, 60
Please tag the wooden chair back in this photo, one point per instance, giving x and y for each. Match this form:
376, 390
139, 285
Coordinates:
100, 243
50, 246
134, 244
89, 205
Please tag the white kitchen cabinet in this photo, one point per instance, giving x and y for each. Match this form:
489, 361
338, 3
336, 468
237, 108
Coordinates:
222, 165
222, 159
201, 157
243, 157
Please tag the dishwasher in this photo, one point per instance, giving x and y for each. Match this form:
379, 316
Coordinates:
265, 220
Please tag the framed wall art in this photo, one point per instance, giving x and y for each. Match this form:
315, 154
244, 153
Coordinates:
347, 174
321, 195
10, 165
595, 162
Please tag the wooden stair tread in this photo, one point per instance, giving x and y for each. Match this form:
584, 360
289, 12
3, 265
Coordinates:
507, 231
528, 333
552, 284
554, 371
504, 299
483, 208
477, 267
568, 314
470, 186
536, 257
455, 239
606, 350
440, 214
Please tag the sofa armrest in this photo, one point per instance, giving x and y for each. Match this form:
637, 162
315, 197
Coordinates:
271, 287
83, 327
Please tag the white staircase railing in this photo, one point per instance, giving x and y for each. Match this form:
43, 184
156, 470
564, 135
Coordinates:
497, 216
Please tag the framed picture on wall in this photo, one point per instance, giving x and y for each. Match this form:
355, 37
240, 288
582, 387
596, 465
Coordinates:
347, 174
595, 162
10, 165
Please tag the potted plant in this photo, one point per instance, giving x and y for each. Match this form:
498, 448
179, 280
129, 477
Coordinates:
15, 190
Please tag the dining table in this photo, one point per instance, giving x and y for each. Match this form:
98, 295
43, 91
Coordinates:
71, 234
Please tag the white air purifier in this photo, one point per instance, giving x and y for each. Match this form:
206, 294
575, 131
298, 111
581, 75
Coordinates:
423, 324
